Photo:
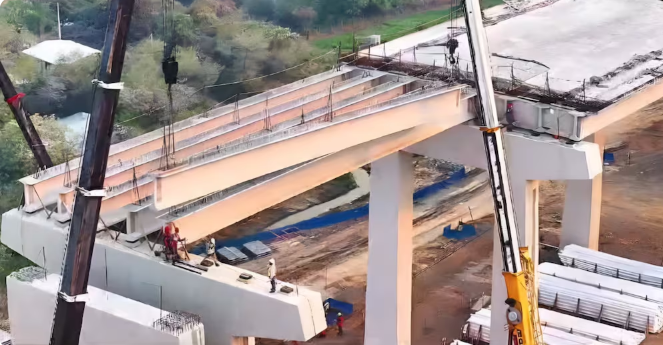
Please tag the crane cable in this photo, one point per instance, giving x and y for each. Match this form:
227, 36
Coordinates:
169, 66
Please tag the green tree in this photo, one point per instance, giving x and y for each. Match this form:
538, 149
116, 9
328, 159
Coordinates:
35, 16
261, 9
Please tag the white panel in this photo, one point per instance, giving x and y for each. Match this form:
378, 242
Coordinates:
478, 327
624, 287
611, 265
589, 329
588, 301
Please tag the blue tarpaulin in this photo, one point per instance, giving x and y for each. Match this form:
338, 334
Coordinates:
330, 219
333, 307
464, 231
608, 158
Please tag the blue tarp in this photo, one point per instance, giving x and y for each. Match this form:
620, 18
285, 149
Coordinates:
333, 307
608, 158
330, 219
464, 231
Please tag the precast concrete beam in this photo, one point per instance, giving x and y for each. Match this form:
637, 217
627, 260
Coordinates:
123, 176
40, 184
389, 278
201, 222
227, 307
290, 147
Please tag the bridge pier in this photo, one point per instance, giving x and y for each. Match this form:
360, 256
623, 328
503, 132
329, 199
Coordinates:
582, 206
582, 213
389, 281
525, 194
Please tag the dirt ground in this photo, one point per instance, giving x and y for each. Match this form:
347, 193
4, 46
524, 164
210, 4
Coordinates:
333, 260
447, 276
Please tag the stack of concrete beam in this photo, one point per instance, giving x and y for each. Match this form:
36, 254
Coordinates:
231, 255
256, 249
589, 329
624, 287
108, 319
478, 328
602, 305
610, 265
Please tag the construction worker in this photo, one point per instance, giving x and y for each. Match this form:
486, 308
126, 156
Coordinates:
211, 250
175, 242
271, 273
339, 323
170, 241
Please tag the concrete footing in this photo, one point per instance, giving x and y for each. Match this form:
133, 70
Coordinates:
389, 282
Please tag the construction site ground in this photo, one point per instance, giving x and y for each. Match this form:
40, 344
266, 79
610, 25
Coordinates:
449, 275
333, 259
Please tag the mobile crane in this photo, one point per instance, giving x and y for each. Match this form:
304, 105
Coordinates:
522, 313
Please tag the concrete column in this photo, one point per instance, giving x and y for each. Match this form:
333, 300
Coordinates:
582, 213
498, 324
525, 196
389, 281
582, 207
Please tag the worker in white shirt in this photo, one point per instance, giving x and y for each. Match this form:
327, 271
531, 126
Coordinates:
271, 273
211, 250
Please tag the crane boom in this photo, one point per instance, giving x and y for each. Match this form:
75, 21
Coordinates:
23, 120
522, 314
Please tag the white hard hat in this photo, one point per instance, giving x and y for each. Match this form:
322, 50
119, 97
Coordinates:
271, 261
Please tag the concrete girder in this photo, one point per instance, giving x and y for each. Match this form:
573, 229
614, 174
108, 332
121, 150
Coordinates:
55, 177
222, 137
285, 149
227, 211
228, 308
